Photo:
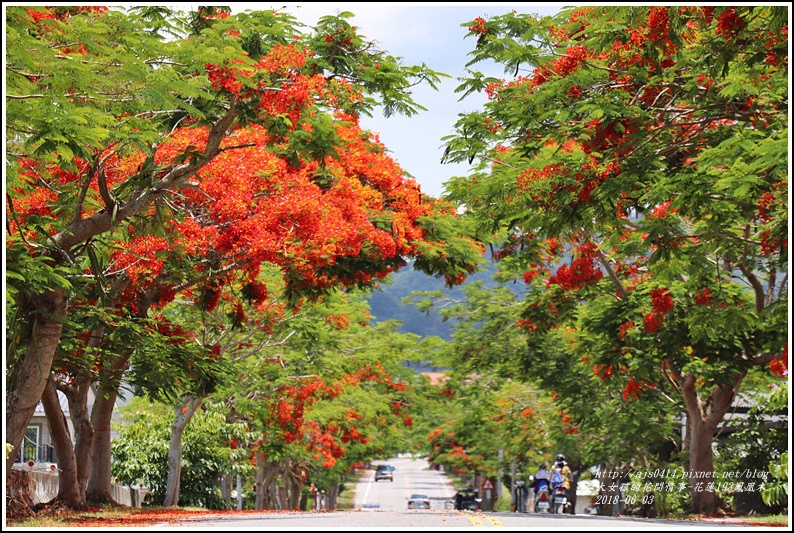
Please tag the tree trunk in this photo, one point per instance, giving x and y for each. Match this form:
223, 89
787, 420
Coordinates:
182, 415
30, 374
69, 493
266, 475
701, 468
99, 479
77, 395
259, 483
333, 495
576, 468
295, 487
276, 488
702, 421
226, 488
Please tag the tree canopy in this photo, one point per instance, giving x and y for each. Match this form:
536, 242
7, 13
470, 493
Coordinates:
155, 155
634, 172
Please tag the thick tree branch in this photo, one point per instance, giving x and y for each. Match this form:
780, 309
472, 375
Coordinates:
758, 287
720, 401
102, 183
83, 229
665, 365
765, 358
688, 388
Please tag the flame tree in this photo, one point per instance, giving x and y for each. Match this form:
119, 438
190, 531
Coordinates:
149, 156
634, 169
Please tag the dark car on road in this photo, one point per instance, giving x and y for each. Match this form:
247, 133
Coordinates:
384, 472
467, 499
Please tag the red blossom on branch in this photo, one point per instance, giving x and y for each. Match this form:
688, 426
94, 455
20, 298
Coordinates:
479, 26
653, 321
662, 301
633, 389
703, 297
729, 23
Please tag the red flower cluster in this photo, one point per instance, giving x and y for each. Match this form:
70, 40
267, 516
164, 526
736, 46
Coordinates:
633, 389
653, 321
256, 292
779, 366
47, 13
729, 23
662, 304
531, 275
525, 323
447, 391
658, 24
771, 244
663, 210
340, 322
581, 273
572, 60
375, 373
703, 298
479, 26
764, 203
527, 176
779, 58
603, 371
224, 78
567, 425
625, 328
662, 301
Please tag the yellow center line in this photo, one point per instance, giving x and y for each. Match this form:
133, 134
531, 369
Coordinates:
476, 522
494, 521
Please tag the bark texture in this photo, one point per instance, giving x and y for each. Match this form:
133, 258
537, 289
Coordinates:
30, 374
69, 493
182, 415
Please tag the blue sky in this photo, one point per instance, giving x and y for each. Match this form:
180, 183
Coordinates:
430, 33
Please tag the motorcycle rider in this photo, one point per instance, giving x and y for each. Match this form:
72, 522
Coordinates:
542, 477
565, 477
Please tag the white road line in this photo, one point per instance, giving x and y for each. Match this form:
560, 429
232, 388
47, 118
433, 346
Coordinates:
366, 492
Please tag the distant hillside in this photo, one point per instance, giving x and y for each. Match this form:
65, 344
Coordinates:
386, 303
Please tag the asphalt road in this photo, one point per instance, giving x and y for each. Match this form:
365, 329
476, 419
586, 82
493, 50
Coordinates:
383, 505
410, 476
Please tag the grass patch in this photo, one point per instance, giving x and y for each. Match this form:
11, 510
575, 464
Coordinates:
759, 520
772, 520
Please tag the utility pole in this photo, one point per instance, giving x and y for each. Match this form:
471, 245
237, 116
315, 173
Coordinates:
501, 456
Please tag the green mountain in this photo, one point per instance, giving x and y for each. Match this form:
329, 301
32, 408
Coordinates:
386, 303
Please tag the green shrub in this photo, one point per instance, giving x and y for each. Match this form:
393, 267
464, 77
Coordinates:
140, 455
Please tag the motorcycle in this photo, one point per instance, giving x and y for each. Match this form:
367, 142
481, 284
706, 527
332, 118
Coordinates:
559, 499
542, 502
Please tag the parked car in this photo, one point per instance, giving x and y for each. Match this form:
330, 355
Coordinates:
419, 501
384, 472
